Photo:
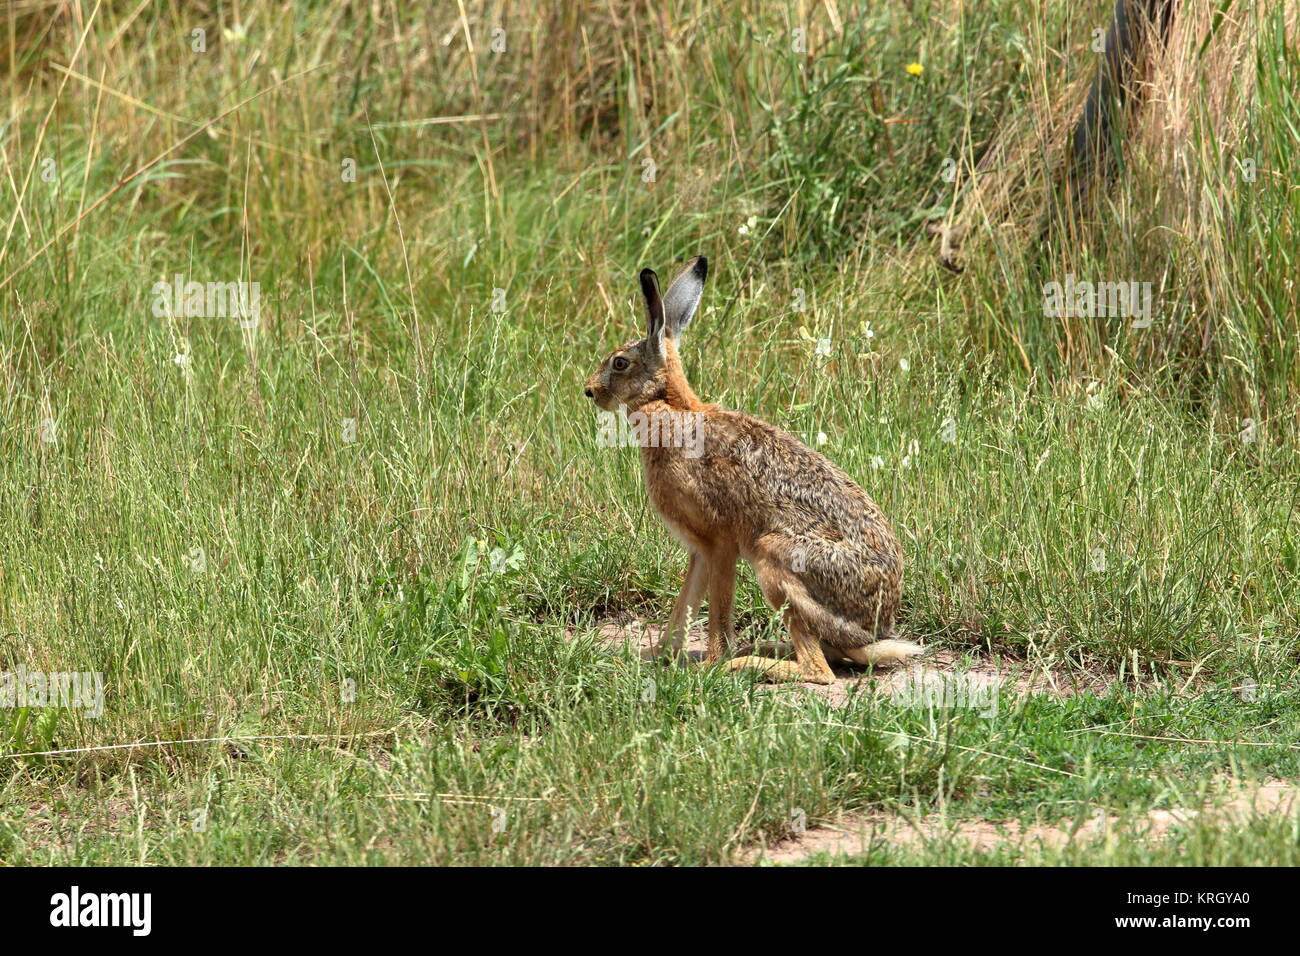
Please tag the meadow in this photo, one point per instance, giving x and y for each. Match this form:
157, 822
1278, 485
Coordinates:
348, 571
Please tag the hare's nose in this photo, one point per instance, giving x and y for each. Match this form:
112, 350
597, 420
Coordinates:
589, 393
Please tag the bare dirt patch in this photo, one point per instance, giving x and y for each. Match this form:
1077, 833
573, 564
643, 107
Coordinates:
857, 835
45, 825
937, 674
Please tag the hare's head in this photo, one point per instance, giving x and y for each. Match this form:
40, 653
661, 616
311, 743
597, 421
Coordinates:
648, 369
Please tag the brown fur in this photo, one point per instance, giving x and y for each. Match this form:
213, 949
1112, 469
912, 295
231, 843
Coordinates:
820, 547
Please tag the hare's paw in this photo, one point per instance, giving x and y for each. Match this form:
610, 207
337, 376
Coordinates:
776, 649
773, 670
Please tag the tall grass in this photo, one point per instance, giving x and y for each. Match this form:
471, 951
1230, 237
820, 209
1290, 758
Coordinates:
187, 511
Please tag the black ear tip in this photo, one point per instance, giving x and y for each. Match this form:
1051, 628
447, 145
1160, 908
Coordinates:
701, 267
647, 274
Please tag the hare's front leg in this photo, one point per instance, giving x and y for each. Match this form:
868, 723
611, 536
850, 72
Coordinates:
688, 602
722, 598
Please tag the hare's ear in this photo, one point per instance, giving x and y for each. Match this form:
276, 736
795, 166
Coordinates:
684, 295
654, 304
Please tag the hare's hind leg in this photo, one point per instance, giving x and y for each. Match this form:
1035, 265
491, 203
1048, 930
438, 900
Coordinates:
809, 662
808, 652
688, 602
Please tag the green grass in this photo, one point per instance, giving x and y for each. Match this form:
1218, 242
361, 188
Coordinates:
204, 535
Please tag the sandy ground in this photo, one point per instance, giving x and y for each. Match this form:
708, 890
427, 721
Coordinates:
855, 835
941, 674
936, 675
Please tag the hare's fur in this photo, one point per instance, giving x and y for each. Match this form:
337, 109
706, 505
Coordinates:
823, 552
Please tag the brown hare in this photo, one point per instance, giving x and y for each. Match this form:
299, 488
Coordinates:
820, 547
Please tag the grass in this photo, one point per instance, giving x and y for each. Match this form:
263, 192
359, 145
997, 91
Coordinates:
375, 627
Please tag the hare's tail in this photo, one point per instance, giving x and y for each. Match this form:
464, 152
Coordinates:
888, 651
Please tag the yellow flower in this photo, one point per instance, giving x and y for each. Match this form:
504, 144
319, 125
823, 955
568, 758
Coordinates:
916, 69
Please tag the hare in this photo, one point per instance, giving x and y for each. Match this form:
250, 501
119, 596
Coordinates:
740, 488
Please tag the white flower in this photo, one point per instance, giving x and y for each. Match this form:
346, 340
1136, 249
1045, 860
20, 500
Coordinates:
913, 449
182, 359
821, 438
904, 365
877, 463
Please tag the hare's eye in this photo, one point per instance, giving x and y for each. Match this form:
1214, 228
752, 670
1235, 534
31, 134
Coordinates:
620, 364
